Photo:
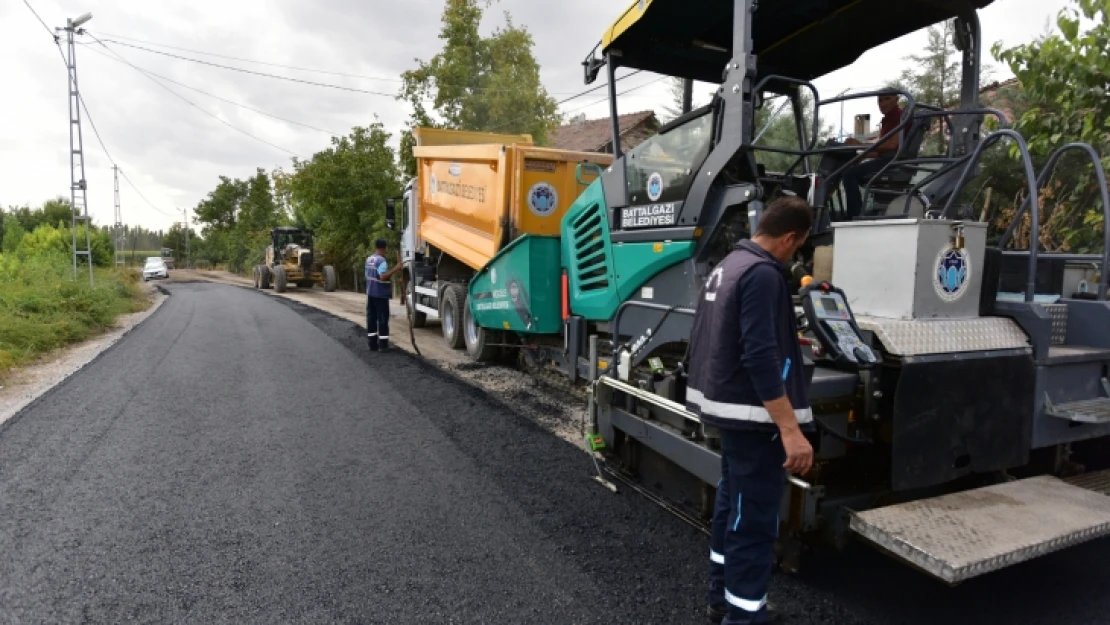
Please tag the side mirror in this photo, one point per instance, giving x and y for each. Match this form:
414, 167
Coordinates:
391, 213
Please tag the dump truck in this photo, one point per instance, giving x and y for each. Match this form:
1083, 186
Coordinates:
291, 259
958, 382
474, 194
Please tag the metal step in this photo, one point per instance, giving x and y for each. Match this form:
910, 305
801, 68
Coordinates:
1084, 411
962, 535
1095, 410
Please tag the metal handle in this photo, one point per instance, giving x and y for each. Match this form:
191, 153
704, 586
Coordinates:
578, 172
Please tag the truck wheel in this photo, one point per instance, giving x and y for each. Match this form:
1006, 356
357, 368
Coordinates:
477, 338
451, 316
280, 281
419, 317
331, 282
257, 277
265, 276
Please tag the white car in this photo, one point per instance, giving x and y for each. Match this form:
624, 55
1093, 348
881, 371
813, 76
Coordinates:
155, 268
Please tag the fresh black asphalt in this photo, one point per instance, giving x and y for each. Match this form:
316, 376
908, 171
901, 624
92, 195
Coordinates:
241, 458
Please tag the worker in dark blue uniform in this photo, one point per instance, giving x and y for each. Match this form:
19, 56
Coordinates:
747, 380
379, 290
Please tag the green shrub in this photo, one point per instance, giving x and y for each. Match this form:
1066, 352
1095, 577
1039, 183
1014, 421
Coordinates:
43, 308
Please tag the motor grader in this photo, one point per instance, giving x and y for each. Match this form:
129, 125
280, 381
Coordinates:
291, 259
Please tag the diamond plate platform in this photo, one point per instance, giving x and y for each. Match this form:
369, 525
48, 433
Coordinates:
919, 337
962, 535
1059, 314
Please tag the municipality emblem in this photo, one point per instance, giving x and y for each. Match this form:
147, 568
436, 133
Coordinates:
543, 199
655, 187
953, 273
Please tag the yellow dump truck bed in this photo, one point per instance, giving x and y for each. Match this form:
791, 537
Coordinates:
476, 192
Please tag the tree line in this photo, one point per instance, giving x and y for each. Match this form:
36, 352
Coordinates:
476, 82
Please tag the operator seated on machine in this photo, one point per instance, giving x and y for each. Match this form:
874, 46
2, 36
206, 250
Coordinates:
876, 159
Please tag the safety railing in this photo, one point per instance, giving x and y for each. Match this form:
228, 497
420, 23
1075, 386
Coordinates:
1046, 173
919, 163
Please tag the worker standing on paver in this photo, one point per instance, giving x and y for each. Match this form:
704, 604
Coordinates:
747, 380
379, 290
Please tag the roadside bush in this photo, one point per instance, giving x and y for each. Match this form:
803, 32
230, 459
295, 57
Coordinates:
43, 308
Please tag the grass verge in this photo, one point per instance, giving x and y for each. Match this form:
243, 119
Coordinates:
42, 308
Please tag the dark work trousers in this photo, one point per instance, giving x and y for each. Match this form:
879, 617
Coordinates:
377, 322
852, 179
746, 523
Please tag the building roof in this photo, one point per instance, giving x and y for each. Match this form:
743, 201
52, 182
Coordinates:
593, 135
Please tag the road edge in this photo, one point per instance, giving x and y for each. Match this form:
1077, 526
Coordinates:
73, 363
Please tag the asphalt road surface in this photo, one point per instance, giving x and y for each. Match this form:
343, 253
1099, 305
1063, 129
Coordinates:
239, 458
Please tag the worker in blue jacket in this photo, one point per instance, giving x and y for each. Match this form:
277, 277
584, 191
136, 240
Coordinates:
379, 290
747, 380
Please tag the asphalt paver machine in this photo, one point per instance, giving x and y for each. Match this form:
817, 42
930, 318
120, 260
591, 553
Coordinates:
960, 387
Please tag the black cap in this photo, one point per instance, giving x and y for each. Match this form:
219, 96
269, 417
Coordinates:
379, 244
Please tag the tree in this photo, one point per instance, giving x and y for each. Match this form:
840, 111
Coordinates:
481, 83
238, 215
1065, 82
175, 240
340, 193
934, 77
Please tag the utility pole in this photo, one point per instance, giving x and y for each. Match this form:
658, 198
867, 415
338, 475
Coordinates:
117, 239
78, 202
188, 256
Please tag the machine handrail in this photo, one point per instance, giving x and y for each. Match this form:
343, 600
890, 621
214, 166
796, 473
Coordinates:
1046, 172
798, 83
1031, 179
931, 111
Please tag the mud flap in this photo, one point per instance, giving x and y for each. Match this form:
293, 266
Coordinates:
962, 535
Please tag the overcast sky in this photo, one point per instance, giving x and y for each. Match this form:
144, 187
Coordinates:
174, 152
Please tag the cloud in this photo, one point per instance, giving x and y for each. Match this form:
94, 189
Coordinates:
175, 153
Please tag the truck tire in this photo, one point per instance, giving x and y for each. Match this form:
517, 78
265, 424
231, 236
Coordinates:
478, 339
451, 316
257, 277
265, 276
331, 282
280, 281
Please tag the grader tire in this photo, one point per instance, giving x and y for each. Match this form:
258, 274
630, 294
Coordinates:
257, 277
265, 277
280, 280
331, 281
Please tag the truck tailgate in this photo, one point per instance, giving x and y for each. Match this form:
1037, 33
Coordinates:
961, 535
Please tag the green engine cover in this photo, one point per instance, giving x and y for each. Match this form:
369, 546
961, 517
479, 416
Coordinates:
519, 289
603, 275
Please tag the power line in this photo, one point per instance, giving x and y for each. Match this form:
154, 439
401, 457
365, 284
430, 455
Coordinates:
241, 59
629, 90
48, 29
100, 140
112, 38
136, 188
579, 95
212, 95
248, 71
193, 104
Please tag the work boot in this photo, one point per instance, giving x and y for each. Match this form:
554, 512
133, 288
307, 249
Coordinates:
383, 345
372, 343
770, 616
